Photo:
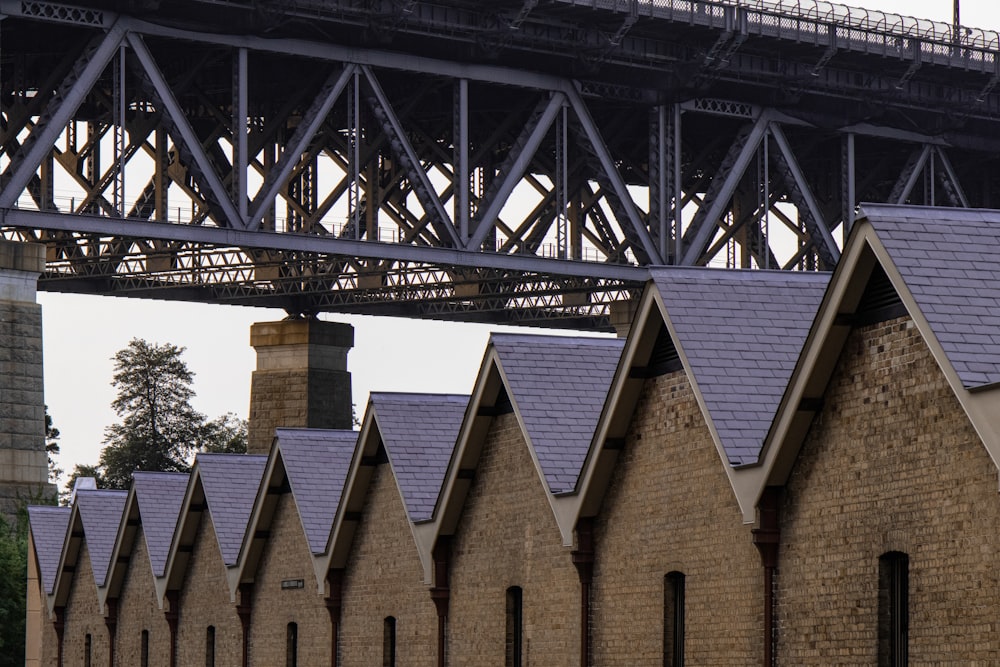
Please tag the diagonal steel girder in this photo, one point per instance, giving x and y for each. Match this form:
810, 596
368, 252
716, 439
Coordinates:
422, 187
813, 219
911, 174
956, 188
57, 115
187, 133
514, 167
299, 143
614, 176
704, 226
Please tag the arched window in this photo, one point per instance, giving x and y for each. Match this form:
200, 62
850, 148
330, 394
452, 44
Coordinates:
893, 609
389, 642
292, 645
673, 619
210, 646
515, 624
144, 649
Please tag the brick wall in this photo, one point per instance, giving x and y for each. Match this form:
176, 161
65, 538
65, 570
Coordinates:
670, 507
138, 611
286, 557
83, 617
384, 578
204, 601
508, 536
891, 463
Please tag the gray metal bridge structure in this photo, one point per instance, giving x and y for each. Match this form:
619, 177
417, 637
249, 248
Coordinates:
518, 162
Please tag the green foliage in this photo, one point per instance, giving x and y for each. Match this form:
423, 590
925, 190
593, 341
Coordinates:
158, 430
13, 584
52, 446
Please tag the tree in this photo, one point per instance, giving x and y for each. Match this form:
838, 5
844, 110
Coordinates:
52, 446
159, 429
13, 574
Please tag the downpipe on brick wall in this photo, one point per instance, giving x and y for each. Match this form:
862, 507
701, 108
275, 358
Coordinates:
767, 539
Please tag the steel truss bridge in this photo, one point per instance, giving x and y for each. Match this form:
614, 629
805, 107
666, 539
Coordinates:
490, 161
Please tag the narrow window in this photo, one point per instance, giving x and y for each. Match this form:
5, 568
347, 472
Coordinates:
893, 609
210, 646
88, 645
144, 649
389, 642
514, 627
673, 620
292, 646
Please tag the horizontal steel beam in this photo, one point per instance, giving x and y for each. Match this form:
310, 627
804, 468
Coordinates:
329, 245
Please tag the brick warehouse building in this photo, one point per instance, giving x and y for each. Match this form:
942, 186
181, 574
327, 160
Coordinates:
770, 469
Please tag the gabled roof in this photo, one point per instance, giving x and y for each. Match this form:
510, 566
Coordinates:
948, 260
419, 433
100, 512
230, 483
48, 533
558, 385
937, 261
316, 462
741, 332
160, 496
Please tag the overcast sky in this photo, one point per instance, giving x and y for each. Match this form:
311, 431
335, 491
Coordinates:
82, 333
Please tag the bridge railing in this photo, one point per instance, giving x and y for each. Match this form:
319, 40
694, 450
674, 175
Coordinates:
826, 24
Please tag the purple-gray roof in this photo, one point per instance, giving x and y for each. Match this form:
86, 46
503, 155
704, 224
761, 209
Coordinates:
48, 532
948, 260
559, 385
101, 513
742, 333
419, 432
316, 462
160, 496
231, 482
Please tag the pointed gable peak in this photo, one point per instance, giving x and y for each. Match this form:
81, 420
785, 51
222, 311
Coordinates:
48, 533
558, 385
230, 483
101, 514
316, 462
419, 432
160, 496
741, 333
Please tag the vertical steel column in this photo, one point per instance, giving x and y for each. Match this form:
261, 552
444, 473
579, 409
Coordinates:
92, 162
851, 186
239, 130
765, 219
119, 121
658, 199
461, 176
562, 183
678, 185
354, 155
160, 184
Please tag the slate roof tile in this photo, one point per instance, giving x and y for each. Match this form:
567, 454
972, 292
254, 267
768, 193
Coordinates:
101, 514
756, 323
160, 496
231, 482
559, 384
955, 282
316, 462
48, 531
419, 432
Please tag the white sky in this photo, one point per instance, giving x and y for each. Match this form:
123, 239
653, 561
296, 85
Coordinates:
82, 333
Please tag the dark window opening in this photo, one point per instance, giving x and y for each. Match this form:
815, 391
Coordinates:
210, 646
389, 642
144, 649
88, 647
292, 645
515, 624
673, 620
893, 609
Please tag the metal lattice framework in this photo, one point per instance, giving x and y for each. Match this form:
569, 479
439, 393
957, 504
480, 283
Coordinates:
502, 161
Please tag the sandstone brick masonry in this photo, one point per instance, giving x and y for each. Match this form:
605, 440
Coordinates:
138, 611
891, 464
670, 507
286, 557
384, 578
301, 378
205, 601
508, 536
83, 618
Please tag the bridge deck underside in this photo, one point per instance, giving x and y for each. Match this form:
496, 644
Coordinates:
519, 162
